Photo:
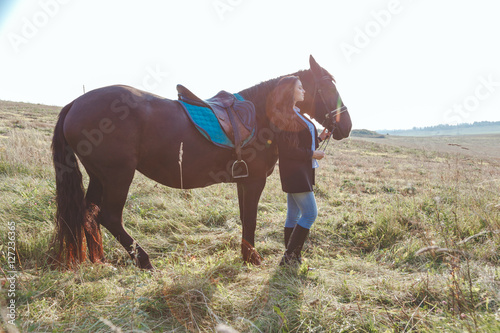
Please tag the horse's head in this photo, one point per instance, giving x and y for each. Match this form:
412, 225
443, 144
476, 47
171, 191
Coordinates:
323, 102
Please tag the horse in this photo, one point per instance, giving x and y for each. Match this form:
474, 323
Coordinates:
114, 131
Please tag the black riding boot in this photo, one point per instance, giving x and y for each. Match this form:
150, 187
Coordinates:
295, 244
288, 233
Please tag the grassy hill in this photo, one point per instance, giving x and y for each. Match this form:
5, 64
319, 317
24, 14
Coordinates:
364, 133
406, 240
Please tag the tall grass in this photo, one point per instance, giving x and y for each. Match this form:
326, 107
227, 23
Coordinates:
406, 240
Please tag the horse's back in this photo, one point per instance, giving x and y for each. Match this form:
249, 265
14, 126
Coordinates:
123, 129
111, 121
115, 102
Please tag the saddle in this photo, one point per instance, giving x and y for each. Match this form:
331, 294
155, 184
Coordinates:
235, 115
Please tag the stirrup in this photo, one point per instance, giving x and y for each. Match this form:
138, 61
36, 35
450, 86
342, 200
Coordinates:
235, 165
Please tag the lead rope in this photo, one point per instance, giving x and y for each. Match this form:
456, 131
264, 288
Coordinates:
327, 141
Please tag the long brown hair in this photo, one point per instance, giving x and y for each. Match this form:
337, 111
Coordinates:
280, 110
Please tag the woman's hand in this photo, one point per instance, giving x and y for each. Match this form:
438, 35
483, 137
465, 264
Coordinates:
318, 154
325, 134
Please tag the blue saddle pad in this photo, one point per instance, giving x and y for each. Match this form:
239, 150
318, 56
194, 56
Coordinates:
207, 123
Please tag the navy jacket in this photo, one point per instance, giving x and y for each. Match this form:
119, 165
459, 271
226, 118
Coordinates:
295, 163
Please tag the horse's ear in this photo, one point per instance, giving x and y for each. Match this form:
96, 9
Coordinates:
315, 68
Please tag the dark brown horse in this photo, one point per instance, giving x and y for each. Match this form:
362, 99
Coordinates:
117, 130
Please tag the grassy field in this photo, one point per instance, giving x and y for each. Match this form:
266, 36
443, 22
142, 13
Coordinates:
407, 240
481, 147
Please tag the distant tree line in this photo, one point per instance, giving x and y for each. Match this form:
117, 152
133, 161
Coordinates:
463, 125
478, 126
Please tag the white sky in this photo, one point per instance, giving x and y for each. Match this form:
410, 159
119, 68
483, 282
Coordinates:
398, 63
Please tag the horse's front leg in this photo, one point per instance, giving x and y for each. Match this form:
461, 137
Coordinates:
249, 191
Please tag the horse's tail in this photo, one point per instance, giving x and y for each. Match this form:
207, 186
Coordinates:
70, 198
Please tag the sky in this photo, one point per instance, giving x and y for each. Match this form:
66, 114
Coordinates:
398, 63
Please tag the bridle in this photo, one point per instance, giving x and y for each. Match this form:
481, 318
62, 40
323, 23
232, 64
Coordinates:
336, 112
329, 114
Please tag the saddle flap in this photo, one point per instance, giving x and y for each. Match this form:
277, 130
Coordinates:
245, 111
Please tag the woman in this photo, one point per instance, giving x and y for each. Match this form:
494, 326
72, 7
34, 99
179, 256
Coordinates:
297, 140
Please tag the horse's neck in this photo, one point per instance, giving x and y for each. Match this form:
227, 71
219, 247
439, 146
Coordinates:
258, 94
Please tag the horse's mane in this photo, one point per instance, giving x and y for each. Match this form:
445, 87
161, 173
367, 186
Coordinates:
258, 92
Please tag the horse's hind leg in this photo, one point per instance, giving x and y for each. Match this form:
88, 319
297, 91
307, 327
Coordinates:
115, 191
93, 200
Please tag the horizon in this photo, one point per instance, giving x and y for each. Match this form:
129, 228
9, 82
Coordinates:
439, 125
398, 63
319, 125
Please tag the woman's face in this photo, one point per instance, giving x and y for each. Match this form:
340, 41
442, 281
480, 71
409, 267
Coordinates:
298, 95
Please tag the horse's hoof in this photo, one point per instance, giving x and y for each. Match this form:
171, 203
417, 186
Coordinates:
250, 254
256, 260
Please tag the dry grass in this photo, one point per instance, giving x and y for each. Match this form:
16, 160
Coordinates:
406, 240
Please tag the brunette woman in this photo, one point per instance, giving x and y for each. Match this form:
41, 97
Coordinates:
297, 140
